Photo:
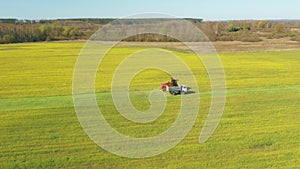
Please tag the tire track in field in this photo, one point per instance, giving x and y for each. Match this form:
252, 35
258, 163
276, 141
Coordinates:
25, 103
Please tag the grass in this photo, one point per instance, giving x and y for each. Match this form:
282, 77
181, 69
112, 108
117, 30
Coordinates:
39, 127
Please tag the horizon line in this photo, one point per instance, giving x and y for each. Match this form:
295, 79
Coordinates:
115, 18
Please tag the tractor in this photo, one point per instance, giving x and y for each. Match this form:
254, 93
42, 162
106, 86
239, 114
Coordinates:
174, 88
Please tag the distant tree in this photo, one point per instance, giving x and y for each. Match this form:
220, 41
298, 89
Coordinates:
246, 27
67, 30
8, 39
279, 28
262, 24
75, 33
230, 27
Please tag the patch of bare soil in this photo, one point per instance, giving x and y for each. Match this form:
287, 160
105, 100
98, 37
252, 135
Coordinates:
283, 44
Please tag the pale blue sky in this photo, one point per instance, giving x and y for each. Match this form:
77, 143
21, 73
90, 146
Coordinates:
206, 9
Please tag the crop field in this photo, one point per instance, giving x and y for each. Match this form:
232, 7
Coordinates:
39, 128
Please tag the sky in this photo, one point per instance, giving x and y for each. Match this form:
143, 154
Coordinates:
208, 10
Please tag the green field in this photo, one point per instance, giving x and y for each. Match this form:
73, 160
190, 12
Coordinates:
39, 127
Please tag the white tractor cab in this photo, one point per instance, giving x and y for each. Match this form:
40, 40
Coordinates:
174, 88
180, 89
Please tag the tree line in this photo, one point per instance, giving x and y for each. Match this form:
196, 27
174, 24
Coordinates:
17, 31
251, 30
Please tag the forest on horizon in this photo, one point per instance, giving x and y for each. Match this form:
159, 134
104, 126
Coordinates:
18, 31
